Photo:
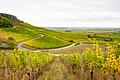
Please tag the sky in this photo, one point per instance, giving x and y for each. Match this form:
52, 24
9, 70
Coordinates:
65, 13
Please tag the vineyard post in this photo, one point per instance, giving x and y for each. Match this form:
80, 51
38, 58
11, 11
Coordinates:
82, 69
29, 64
105, 53
91, 73
5, 65
43, 66
113, 75
33, 69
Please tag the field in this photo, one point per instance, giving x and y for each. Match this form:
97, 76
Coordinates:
19, 33
71, 64
47, 42
86, 60
26, 31
36, 53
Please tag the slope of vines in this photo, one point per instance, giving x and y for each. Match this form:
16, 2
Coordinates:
95, 64
23, 65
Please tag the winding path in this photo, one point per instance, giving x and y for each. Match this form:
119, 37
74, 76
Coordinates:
55, 49
20, 46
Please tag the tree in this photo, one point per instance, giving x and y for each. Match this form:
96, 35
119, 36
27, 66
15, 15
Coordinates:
12, 18
5, 23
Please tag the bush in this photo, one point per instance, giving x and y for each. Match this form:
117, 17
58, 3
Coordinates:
68, 31
77, 43
70, 41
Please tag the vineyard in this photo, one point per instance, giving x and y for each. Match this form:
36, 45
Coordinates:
28, 52
23, 65
94, 64
91, 64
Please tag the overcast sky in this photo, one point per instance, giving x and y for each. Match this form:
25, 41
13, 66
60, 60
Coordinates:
65, 13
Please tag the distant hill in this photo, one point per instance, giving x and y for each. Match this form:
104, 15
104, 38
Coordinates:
81, 28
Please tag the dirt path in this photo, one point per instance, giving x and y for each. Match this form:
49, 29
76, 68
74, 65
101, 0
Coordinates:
56, 49
19, 45
57, 72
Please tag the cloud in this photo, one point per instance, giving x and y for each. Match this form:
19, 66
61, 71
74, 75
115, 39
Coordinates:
65, 13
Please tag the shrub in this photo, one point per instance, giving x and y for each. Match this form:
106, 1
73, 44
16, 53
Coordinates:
70, 41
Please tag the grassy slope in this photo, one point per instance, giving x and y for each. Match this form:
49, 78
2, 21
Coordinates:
55, 39
26, 31
75, 36
22, 32
47, 42
52, 38
19, 33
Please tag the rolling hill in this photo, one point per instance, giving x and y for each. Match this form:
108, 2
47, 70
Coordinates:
21, 31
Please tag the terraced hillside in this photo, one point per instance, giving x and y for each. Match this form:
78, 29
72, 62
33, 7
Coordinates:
25, 31
22, 31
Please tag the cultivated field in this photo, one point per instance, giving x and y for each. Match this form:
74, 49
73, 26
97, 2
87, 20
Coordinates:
28, 52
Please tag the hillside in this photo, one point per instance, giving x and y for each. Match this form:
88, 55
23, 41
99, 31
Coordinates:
23, 31
30, 36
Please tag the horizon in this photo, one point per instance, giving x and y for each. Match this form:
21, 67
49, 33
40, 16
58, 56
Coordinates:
83, 28
69, 13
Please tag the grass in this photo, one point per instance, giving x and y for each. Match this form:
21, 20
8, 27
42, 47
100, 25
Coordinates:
22, 32
18, 33
75, 36
52, 39
47, 42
